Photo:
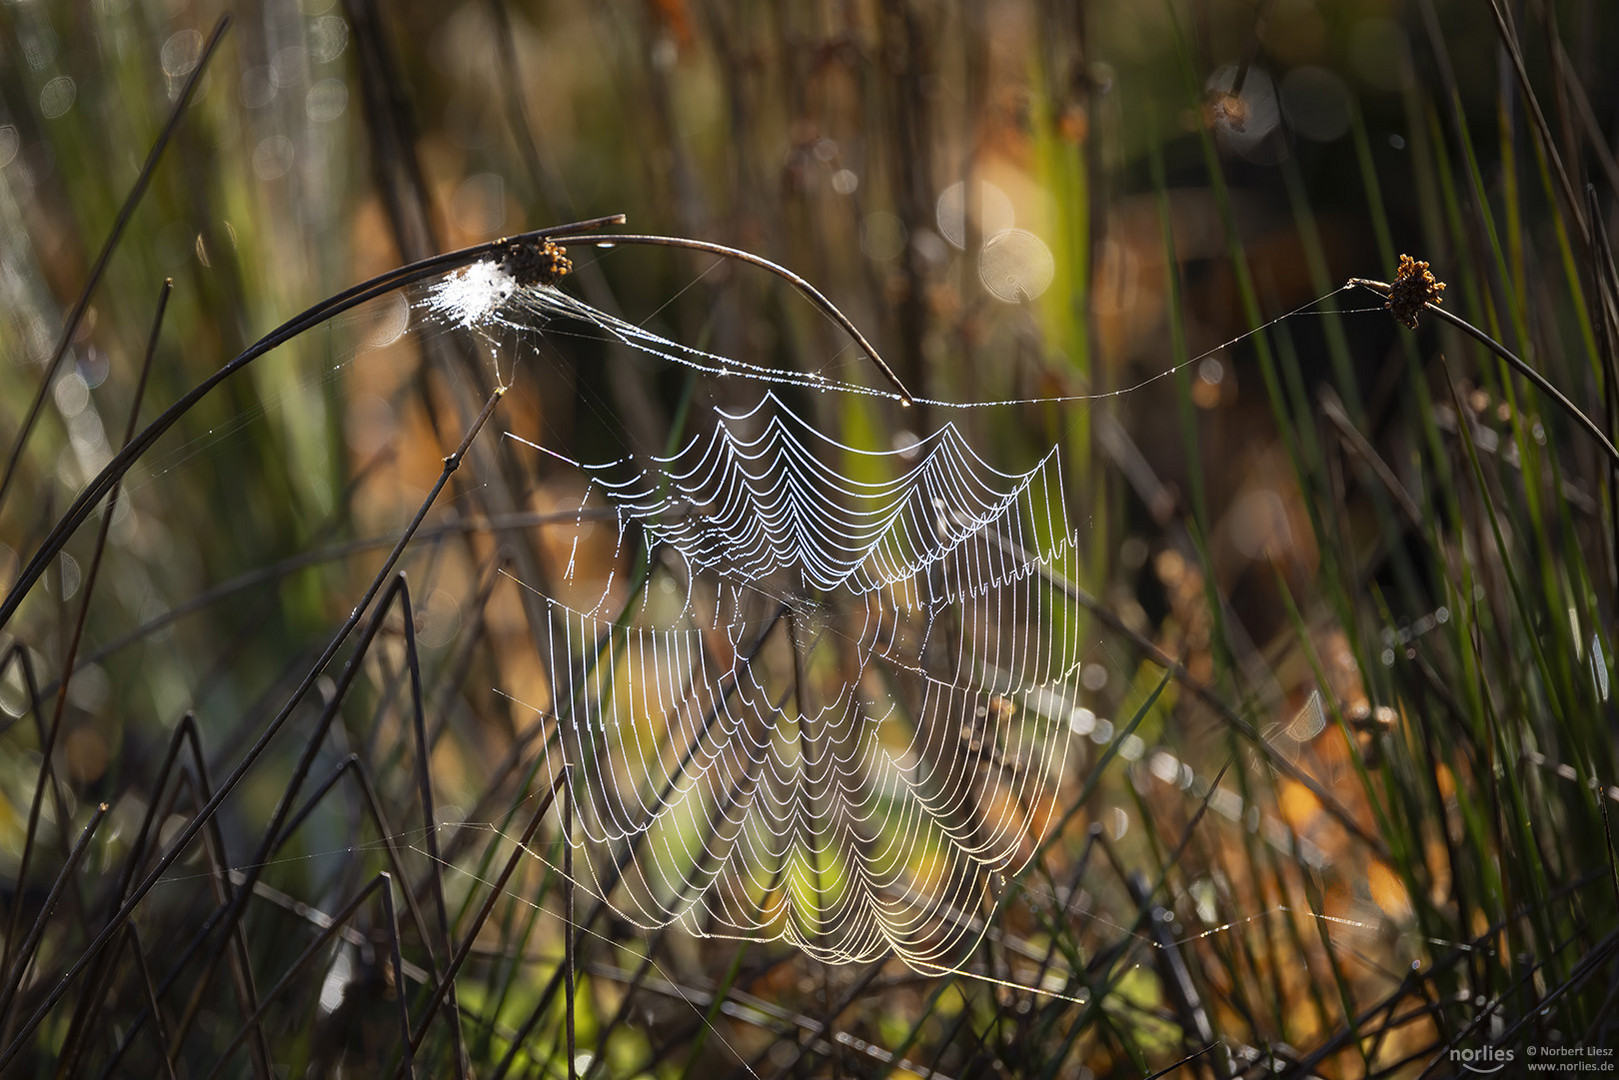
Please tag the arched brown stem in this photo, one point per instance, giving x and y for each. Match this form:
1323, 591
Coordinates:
1516, 363
121, 462
814, 295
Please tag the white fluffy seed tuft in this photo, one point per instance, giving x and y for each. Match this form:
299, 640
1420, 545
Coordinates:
470, 296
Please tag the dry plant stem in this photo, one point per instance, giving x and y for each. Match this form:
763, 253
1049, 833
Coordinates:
17, 654
53, 729
125, 212
311, 951
392, 132
1183, 1062
400, 993
160, 1031
203, 816
424, 784
351, 765
1605, 284
372, 807
823, 1027
1508, 36
496, 890
333, 553
310, 318
606, 885
100, 981
26, 953
276, 834
814, 295
639, 979
1517, 364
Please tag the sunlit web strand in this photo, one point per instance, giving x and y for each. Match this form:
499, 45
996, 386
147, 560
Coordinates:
482, 296
754, 505
655, 648
731, 737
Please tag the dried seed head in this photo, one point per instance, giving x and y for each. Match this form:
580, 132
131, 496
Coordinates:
1414, 285
531, 262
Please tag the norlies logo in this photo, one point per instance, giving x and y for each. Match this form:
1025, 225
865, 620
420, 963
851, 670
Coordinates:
1484, 1059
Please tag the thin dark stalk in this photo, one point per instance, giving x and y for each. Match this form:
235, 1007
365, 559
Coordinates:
474, 643
424, 785
53, 729
1605, 287
331, 553
47, 749
189, 833
767, 1016
273, 833
240, 961
548, 180
496, 891
192, 786
26, 952
306, 320
403, 998
350, 765
235, 941
48, 743
1261, 17
1184, 678
159, 1031
694, 1034
963, 1019
823, 1027
1081, 866
392, 130
302, 961
655, 941
1187, 1060
814, 295
812, 814
1516, 364
184, 732
125, 212
1543, 131
605, 886
18, 654
1420, 981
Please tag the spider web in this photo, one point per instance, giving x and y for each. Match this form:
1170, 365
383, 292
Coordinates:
855, 718
826, 693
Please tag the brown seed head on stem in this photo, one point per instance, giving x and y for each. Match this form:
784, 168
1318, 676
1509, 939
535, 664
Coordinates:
535, 262
1414, 285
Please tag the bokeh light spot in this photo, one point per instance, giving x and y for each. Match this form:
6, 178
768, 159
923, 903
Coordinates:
1016, 266
991, 210
56, 97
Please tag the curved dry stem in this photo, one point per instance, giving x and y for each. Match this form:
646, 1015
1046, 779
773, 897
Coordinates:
142, 180
814, 295
1516, 363
121, 462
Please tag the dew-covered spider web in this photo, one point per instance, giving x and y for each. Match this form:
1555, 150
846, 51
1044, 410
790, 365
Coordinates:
823, 693
846, 721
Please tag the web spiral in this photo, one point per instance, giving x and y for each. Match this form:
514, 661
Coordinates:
833, 707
